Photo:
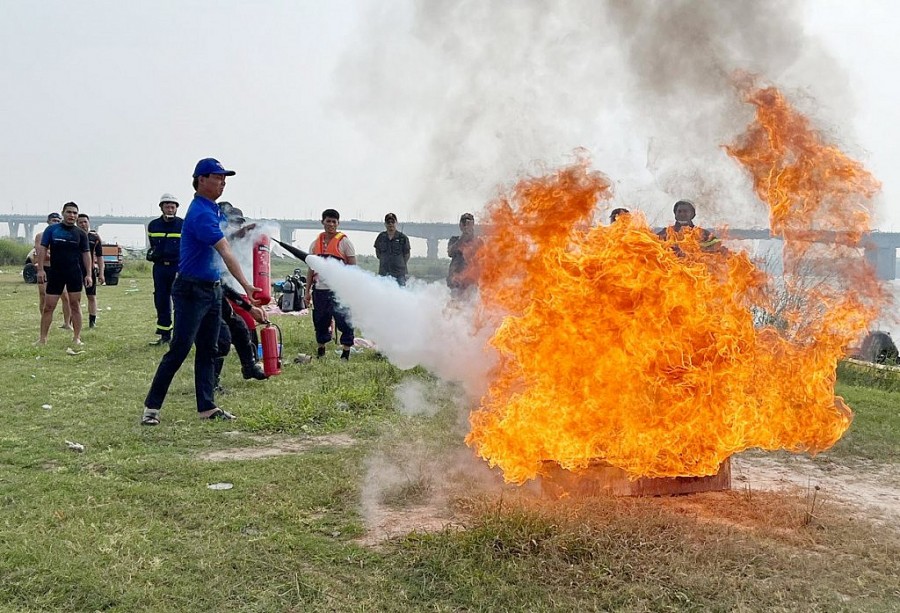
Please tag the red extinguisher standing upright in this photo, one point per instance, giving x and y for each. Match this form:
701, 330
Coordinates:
262, 277
271, 349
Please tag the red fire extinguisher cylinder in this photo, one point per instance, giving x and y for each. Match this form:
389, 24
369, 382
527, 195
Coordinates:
262, 277
270, 341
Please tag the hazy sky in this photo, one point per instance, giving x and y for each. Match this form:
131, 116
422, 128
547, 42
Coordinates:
423, 108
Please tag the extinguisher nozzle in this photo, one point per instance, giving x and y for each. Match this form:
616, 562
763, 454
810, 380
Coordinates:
297, 253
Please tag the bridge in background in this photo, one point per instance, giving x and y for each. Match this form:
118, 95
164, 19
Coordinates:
880, 247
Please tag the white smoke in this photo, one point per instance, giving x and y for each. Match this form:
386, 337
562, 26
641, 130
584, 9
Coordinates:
416, 325
243, 248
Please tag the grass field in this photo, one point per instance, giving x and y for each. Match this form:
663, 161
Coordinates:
337, 471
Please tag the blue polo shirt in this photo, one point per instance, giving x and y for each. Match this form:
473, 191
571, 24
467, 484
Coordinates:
201, 230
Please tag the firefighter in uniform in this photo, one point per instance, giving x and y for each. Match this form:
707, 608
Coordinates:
330, 244
164, 236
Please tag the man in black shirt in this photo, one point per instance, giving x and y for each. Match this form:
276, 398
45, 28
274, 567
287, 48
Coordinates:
461, 277
95, 244
392, 251
71, 258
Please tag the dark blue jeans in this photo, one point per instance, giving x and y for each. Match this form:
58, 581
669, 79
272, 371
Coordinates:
163, 280
198, 312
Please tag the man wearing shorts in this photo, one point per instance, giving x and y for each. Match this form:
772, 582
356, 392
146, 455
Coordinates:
71, 258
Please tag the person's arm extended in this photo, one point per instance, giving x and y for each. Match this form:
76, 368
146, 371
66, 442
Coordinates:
406, 249
234, 268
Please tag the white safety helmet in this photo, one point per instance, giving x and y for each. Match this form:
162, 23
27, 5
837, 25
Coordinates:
168, 198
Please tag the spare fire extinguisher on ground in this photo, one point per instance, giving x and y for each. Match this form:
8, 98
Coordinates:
270, 340
262, 277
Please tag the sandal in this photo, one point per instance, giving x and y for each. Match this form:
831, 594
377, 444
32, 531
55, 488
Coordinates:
219, 415
150, 417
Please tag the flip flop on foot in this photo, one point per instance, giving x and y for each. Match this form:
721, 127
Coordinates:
218, 414
150, 417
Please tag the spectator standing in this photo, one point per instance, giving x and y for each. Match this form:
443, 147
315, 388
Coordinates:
95, 245
392, 250
462, 249
330, 244
197, 296
614, 215
685, 212
71, 258
164, 237
52, 219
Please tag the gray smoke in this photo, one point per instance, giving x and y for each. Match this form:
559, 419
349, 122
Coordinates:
479, 92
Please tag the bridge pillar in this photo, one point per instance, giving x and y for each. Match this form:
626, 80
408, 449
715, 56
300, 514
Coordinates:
432, 246
13, 229
884, 260
29, 232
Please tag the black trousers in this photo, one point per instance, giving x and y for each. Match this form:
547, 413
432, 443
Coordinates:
233, 331
163, 279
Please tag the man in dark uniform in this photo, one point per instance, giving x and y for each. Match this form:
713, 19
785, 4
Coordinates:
71, 257
392, 250
95, 243
164, 236
461, 249
234, 329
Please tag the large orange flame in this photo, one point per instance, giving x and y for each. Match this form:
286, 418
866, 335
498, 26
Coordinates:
620, 347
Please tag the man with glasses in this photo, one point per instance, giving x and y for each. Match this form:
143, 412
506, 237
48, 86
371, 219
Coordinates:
197, 295
71, 260
392, 250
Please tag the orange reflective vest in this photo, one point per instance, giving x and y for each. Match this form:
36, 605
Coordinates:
332, 250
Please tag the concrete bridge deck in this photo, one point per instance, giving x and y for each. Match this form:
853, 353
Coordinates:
880, 247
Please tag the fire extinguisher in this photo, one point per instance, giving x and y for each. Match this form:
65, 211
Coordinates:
271, 349
262, 277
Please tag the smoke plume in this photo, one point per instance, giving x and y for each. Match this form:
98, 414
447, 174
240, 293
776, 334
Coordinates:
478, 92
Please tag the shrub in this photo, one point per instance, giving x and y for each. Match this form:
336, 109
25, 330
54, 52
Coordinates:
13, 252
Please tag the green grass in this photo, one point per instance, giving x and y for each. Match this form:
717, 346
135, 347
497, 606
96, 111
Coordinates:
130, 525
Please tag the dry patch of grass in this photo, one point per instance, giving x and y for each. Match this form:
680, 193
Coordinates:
277, 446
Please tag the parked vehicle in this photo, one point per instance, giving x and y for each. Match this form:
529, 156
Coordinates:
113, 263
877, 347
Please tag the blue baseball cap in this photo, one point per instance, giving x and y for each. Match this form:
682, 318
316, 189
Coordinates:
211, 166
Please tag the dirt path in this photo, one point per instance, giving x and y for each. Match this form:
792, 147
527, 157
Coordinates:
870, 488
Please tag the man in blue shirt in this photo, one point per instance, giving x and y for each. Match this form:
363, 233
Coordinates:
197, 296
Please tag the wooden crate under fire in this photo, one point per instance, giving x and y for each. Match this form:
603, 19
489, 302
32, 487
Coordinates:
599, 478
